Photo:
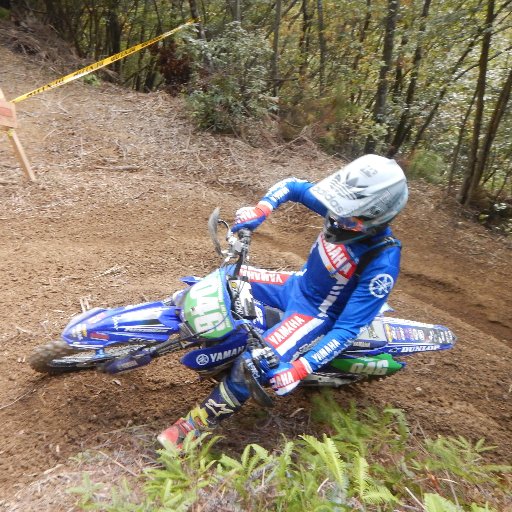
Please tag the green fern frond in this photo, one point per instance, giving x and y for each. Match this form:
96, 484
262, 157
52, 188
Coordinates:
477, 508
360, 475
254, 457
330, 455
284, 461
481, 447
365, 487
229, 463
436, 503
378, 495
460, 457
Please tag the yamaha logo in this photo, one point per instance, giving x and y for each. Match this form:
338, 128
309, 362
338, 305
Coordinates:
202, 359
381, 285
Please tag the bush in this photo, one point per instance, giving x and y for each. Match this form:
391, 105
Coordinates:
335, 123
427, 165
230, 81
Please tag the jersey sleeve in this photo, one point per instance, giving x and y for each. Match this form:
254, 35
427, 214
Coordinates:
296, 190
367, 299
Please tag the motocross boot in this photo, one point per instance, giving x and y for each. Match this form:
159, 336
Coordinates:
220, 404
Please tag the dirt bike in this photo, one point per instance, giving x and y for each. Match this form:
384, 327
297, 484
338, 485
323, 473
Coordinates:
219, 319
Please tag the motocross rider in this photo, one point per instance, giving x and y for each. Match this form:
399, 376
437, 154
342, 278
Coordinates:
330, 299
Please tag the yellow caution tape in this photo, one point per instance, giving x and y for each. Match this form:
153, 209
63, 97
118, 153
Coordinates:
99, 64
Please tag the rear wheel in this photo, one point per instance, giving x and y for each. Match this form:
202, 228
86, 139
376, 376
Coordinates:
58, 357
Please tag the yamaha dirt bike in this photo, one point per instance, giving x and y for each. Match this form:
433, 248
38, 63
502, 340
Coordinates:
218, 319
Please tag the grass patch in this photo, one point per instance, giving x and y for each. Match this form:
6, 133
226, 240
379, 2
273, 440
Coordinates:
368, 461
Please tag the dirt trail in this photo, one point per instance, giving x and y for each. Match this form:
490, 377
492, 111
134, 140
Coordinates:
119, 213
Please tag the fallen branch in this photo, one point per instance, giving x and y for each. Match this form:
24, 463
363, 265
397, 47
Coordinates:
119, 464
119, 168
17, 399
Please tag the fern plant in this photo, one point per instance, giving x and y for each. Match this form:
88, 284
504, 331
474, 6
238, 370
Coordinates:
371, 463
460, 457
177, 485
366, 488
436, 503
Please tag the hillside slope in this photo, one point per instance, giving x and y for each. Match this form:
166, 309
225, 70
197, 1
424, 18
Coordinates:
125, 186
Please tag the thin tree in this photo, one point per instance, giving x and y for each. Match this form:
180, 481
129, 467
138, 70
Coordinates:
194, 11
382, 86
275, 48
468, 186
489, 136
458, 146
113, 33
322, 44
305, 39
403, 127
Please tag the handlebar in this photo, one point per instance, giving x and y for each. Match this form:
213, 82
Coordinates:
237, 243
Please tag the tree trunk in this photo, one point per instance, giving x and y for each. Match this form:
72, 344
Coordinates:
113, 35
237, 12
322, 44
469, 185
194, 11
304, 40
404, 123
361, 39
275, 46
382, 87
458, 146
444, 90
492, 128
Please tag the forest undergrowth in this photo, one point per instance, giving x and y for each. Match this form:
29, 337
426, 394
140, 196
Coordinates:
368, 460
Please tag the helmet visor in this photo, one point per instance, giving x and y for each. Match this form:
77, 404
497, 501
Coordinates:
344, 230
346, 224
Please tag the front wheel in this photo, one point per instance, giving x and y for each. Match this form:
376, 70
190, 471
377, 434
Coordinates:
58, 357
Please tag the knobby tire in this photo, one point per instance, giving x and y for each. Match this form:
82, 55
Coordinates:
58, 357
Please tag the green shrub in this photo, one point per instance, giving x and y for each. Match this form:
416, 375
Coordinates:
427, 165
230, 82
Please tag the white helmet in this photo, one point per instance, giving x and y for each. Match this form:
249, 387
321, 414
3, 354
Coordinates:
361, 198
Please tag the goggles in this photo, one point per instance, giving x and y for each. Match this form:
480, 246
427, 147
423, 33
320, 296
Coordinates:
347, 223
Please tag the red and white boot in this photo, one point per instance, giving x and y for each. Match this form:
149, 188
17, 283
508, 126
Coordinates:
220, 404
178, 431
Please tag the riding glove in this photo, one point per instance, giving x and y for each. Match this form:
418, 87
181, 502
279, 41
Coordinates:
250, 217
287, 376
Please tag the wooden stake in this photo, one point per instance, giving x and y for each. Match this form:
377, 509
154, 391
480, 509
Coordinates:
8, 124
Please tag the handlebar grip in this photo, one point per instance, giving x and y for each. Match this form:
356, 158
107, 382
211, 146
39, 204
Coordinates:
244, 233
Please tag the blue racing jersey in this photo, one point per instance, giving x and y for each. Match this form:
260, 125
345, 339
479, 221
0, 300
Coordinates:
326, 304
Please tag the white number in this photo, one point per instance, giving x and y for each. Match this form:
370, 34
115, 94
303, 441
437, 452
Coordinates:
372, 368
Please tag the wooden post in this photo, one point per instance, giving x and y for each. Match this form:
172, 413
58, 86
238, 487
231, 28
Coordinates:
8, 124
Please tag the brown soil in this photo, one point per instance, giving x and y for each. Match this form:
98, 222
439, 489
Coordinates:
125, 186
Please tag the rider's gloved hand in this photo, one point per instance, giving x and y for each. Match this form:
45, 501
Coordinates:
287, 376
250, 217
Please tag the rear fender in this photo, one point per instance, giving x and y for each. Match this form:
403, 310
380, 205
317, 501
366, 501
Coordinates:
150, 322
380, 365
401, 337
406, 337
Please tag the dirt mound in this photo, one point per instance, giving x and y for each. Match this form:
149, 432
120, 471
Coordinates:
119, 213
